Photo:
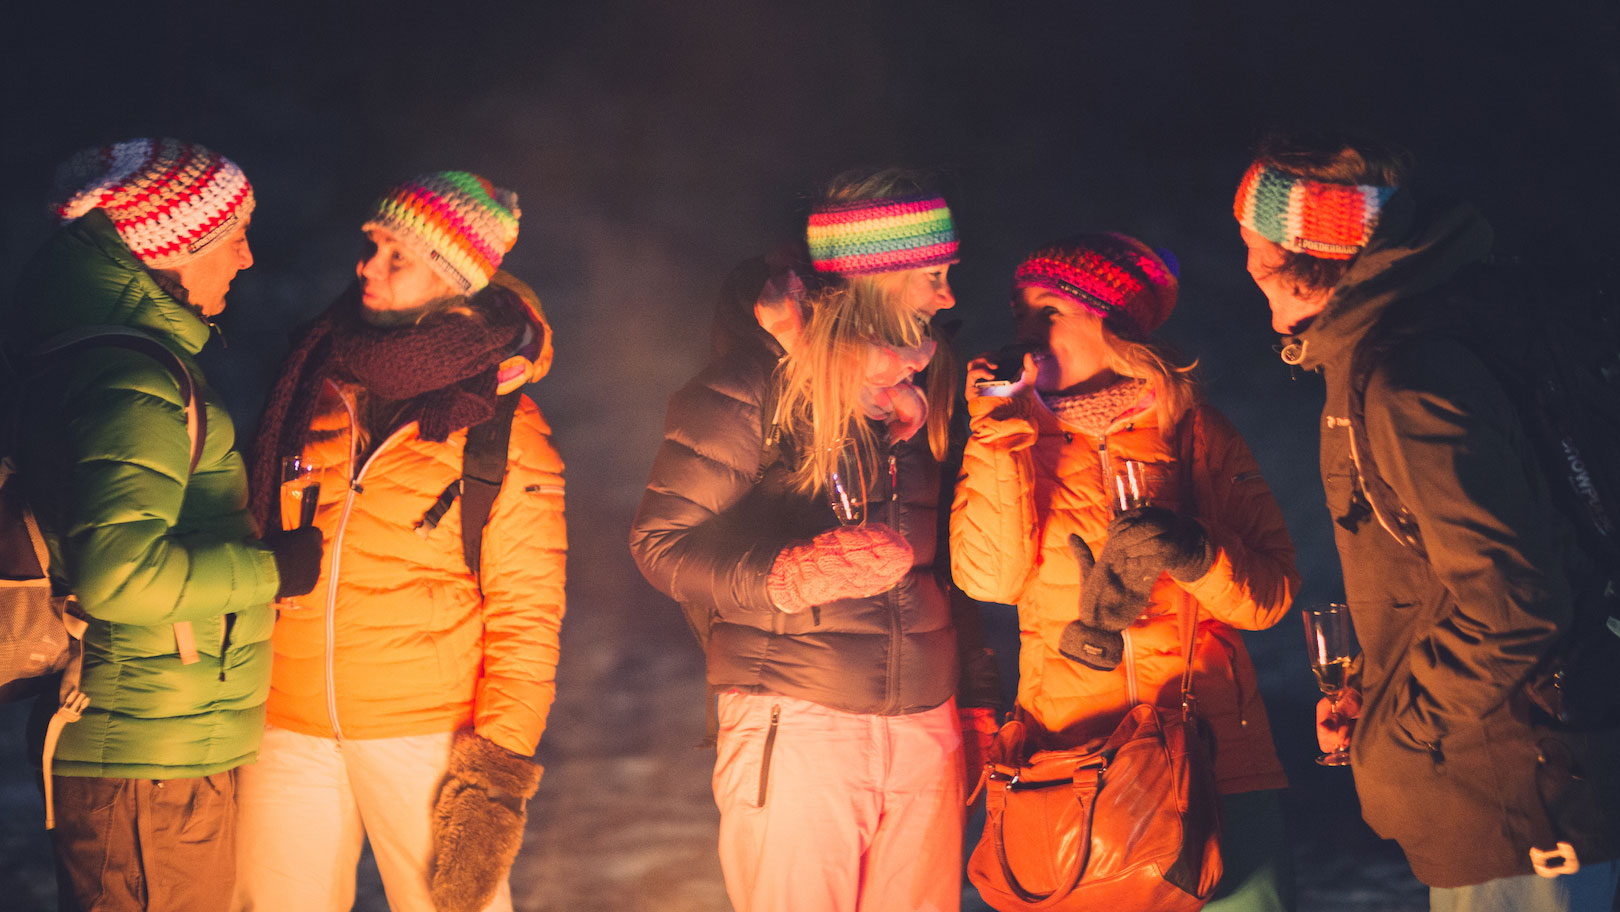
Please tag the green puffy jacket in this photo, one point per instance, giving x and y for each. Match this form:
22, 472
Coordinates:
141, 541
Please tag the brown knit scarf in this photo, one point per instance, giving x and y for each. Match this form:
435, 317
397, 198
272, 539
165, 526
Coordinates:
1093, 412
443, 369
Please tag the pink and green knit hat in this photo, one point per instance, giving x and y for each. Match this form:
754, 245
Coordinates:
169, 200
864, 237
1111, 275
1317, 218
459, 223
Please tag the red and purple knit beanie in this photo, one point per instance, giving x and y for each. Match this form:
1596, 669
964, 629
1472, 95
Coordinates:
1317, 218
169, 200
889, 234
460, 224
1116, 277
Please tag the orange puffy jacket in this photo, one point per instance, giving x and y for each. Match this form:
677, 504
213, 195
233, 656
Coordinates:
1028, 480
397, 639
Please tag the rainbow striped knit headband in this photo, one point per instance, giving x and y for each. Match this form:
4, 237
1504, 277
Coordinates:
1320, 219
881, 235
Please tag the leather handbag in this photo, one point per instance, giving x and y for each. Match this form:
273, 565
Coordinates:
1131, 824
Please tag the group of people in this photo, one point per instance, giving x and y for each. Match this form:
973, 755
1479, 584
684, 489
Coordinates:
272, 683
834, 496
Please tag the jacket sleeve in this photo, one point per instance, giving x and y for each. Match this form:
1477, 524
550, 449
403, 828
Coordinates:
994, 537
129, 559
525, 546
1445, 438
686, 537
1253, 579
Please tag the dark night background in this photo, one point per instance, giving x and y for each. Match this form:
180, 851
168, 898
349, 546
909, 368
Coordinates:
655, 145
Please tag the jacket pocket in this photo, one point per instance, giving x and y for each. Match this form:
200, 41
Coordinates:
765, 757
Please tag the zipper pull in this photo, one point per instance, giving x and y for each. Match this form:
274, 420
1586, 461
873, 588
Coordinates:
894, 479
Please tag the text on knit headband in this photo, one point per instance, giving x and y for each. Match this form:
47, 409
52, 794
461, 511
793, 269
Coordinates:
1326, 220
169, 200
460, 224
1113, 276
881, 235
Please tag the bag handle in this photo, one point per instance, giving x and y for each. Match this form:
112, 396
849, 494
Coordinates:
1085, 788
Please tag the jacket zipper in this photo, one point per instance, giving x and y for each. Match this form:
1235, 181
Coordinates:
765, 757
892, 597
1355, 462
337, 553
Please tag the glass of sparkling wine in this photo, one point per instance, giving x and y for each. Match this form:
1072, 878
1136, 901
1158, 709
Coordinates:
300, 491
1327, 639
1135, 484
846, 482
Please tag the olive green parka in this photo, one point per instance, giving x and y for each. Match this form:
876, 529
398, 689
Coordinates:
142, 541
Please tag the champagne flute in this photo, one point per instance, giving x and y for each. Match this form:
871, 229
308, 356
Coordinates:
300, 491
846, 482
1135, 484
1327, 639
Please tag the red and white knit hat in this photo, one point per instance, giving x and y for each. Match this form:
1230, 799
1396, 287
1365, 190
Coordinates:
459, 223
169, 200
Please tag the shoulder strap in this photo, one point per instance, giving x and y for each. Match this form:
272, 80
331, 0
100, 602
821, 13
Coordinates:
134, 340
1187, 434
483, 470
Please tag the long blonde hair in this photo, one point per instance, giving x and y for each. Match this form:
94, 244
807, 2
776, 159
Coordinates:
821, 380
1168, 372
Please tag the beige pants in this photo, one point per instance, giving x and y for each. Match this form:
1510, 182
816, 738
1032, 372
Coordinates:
828, 811
138, 844
307, 804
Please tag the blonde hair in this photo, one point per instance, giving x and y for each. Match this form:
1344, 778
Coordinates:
1168, 373
822, 379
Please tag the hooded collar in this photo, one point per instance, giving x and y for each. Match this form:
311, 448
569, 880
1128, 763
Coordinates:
84, 275
1416, 248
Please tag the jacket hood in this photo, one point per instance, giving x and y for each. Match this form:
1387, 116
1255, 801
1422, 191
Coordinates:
1417, 247
533, 358
84, 275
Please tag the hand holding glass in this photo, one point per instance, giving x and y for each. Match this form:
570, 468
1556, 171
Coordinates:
300, 491
1327, 639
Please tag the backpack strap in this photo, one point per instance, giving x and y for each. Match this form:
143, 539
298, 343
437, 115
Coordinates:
131, 339
88, 337
483, 470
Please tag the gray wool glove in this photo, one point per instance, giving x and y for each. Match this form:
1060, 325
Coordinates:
1154, 535
478, 821
1113, 592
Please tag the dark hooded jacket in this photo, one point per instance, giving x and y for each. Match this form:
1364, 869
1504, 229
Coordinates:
1448, 758
719, 507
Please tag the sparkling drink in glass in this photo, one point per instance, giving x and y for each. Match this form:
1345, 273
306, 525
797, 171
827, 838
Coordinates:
1135, 484
846, 482
1327, 640
300, 491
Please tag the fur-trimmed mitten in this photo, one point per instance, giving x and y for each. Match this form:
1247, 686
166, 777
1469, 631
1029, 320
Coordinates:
1113, 592
845, 562
1155, 535
478, 821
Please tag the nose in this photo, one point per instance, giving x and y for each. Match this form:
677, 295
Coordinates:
944, 299
363, 268
246, 259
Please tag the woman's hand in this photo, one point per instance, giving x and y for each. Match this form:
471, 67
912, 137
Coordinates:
1336, 719
982, 377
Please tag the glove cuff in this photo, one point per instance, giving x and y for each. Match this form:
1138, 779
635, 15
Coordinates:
1092, 647
483, 763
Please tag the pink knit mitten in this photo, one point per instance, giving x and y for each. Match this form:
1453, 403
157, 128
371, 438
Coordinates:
846, 562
